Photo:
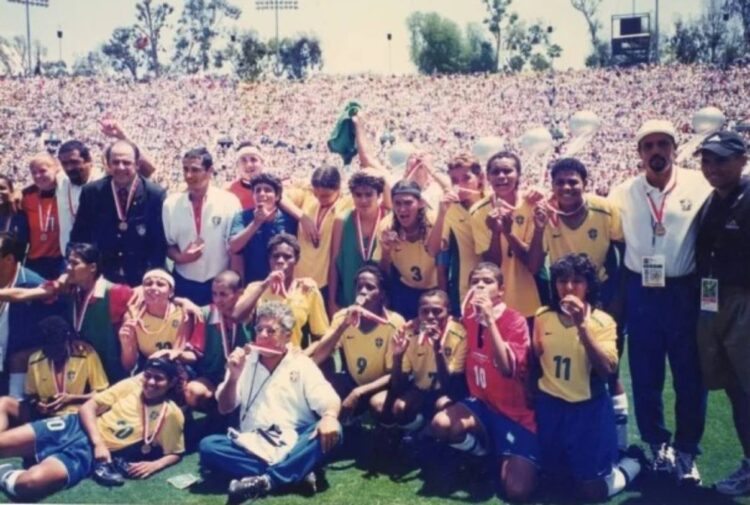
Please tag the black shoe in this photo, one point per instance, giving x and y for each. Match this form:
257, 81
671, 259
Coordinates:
121, 466
106, 475
250, 487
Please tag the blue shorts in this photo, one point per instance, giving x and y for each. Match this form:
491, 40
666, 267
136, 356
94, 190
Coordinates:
577, 440
508, 437
64, 439
197, 292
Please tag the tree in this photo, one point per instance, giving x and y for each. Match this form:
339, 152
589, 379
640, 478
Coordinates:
198, 26
589, 9
524, 41
741, 9
300, 56
480, 53
249, 54
122, 53
93, 64
496, 10
53, 69
436, 43
151, 21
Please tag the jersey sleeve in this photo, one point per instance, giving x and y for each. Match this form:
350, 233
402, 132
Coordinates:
481, 232
109, 396
97, 378
603, 331
29, 388
171, 437
318, 318
458, 361
238, 224
166, 219
516, 334
119, 295
615, 224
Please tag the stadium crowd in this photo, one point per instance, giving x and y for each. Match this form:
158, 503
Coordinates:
477, 303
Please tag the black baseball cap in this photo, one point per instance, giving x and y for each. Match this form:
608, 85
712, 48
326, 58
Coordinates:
169, 368
723, 143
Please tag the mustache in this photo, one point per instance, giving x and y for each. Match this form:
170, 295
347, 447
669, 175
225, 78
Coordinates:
657, 163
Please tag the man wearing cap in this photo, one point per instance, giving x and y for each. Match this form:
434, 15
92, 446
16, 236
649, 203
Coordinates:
659, 208
722, 250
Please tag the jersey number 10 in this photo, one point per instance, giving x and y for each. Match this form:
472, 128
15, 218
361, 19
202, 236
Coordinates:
480, 377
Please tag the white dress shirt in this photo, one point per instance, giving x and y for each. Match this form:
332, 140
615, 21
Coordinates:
67, 195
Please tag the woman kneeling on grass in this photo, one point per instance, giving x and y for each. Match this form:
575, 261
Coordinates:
68, 448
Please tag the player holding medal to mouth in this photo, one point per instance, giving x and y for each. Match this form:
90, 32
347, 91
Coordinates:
576, 347
363, 333
135, 412
427, 374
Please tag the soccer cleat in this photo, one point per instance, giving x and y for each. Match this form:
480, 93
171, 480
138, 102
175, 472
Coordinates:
663, 459
309, 485
249, 488
107, 475
737, 483
5, 471
687, 470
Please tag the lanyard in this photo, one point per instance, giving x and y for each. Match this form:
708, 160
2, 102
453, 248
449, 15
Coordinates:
80, 314
366, 253
657, 213
251, 399
122, 214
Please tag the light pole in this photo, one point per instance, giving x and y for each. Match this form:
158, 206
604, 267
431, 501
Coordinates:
389, 36
59, 43
277, 5
29, 3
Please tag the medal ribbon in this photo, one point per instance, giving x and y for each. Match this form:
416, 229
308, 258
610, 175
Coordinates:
59, 388
658, 213
367, 253
45, 222
147, 439
79, 315
142, 324
321, 214
122, 214
554, 212
227, 345
423, 338
198, 215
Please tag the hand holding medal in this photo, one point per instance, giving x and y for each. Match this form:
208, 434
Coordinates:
573, 307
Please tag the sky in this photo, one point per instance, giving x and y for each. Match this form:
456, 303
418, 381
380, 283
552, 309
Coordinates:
352, 32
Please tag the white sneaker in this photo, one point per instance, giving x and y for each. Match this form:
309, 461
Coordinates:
687, 470
737, 483
663, 459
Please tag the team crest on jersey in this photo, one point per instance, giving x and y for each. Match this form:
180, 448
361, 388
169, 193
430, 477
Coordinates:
686, 204
175, 323
141, 230
71, 375
593, 233
153, 415
216, 220
294, 376
519, 220
378, 342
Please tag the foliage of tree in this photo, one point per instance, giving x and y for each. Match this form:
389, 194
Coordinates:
197, 29
496, 12
91, 65
481, 55
152, 19
254, 58
122, 52
599, 55
300, 56
437, 44
740, 9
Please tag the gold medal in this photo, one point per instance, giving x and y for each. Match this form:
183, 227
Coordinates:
659, 230
146, 448
43, 237
123, 226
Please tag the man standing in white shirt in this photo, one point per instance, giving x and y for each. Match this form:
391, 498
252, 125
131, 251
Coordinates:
288, 412
659, 209
196, 225
78, 169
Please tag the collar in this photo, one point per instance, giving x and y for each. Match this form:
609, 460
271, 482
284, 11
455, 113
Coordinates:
653, 189
100, 287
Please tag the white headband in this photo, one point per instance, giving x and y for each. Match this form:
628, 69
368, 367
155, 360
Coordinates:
161, 274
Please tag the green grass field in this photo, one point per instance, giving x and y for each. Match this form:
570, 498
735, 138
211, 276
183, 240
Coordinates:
367, 475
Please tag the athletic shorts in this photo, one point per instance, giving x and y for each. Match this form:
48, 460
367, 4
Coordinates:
577, 440
724, 341
64, 439
343, 384
508, 437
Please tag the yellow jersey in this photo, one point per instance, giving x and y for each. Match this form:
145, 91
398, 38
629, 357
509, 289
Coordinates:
157, 333
367, 355
458, 238
414, 265
306, 303
122, 425
83, 373
593, 237
520, 287
419, 359
566, 369
314, 262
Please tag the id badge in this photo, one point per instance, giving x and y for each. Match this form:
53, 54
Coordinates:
710, 295
653, 273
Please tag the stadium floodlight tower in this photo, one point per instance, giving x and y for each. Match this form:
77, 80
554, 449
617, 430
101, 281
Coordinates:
276, 6
631, 38
30, 3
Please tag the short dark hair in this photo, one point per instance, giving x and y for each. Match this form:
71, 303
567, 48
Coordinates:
244, 144
572, 265
371, 268
492, 267
230, 278
505, 154
136, 151
284, 238
55, 330
75, 145
327, 177
89, 253
266, 178
8, 180
364, 179
466, 160
201, 153
569, 165
437, 293
9, 244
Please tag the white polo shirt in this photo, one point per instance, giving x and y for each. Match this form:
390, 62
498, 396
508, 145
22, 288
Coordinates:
677, 245
67, 195
217, 212
290, 396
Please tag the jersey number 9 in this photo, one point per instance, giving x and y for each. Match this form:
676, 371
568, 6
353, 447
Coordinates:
361, 365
